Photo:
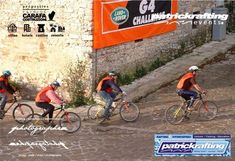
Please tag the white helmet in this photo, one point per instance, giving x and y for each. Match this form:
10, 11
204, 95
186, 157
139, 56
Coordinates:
193, 68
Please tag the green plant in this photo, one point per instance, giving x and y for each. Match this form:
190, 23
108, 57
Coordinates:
155, 64
140, 72
125, 78
75, 83
181, 50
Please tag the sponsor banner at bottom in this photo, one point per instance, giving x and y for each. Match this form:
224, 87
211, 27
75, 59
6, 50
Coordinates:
192, 145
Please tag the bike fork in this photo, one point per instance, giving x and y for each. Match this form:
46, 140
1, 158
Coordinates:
67, 117
22, 112
126, 107
205, 106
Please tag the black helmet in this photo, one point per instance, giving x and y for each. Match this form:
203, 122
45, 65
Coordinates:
55, 83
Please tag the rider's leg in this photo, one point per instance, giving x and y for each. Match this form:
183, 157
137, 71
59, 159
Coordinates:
49, 109
113, 95
191, 95
183, 95
108, 100
3, 100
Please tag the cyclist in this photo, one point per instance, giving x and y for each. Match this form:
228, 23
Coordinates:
185, 84
47, 95
4, 88
105, 90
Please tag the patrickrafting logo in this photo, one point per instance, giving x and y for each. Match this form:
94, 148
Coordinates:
43, 17
187, 147
192, 145
119, 16
199, 19
39, 144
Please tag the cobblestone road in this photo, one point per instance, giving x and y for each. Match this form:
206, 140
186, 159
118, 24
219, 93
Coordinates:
132, 141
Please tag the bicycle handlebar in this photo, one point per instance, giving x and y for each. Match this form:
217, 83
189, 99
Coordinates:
14, 98
62, 107
201, 94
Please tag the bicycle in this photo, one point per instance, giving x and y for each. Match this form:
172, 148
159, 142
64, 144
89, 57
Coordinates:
70, 122
20, 111
128, 111
206, 110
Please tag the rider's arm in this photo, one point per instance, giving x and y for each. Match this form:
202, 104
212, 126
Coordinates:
54, 97
114, 86
196, 86
11, 89
8, 87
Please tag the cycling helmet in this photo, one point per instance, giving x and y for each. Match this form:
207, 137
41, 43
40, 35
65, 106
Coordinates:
193, 68
112, 73
6, 73
55, 83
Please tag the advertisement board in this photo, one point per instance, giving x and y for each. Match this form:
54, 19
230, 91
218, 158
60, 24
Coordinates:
119, 21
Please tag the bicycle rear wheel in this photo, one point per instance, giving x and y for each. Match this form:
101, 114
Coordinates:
95, 112
34, 124
70, 121
208, 110
175, 114
21, 111
129, 112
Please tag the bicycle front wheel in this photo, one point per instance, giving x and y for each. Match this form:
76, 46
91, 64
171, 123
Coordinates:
174, 114
208, 110
21, 111
129, 112
70, 122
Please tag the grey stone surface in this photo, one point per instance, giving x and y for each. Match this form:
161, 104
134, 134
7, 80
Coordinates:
174, 69
121, 141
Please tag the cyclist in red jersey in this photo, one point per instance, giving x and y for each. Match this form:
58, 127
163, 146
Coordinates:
185, 84
45, 97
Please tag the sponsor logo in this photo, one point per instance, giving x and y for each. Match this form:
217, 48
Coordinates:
188, 147
192, 145
119, 15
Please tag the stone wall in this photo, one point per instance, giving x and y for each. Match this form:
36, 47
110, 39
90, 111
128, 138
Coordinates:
36, 61
125, 57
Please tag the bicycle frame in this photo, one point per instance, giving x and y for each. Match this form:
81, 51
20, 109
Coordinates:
119, 101
195, 105
61, 110
14, 102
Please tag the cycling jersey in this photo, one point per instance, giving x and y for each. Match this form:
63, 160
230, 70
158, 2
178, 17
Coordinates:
107, 84
48, 94
185, 81
4, 86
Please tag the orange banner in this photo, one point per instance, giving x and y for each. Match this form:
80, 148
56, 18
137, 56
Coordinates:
119, 21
